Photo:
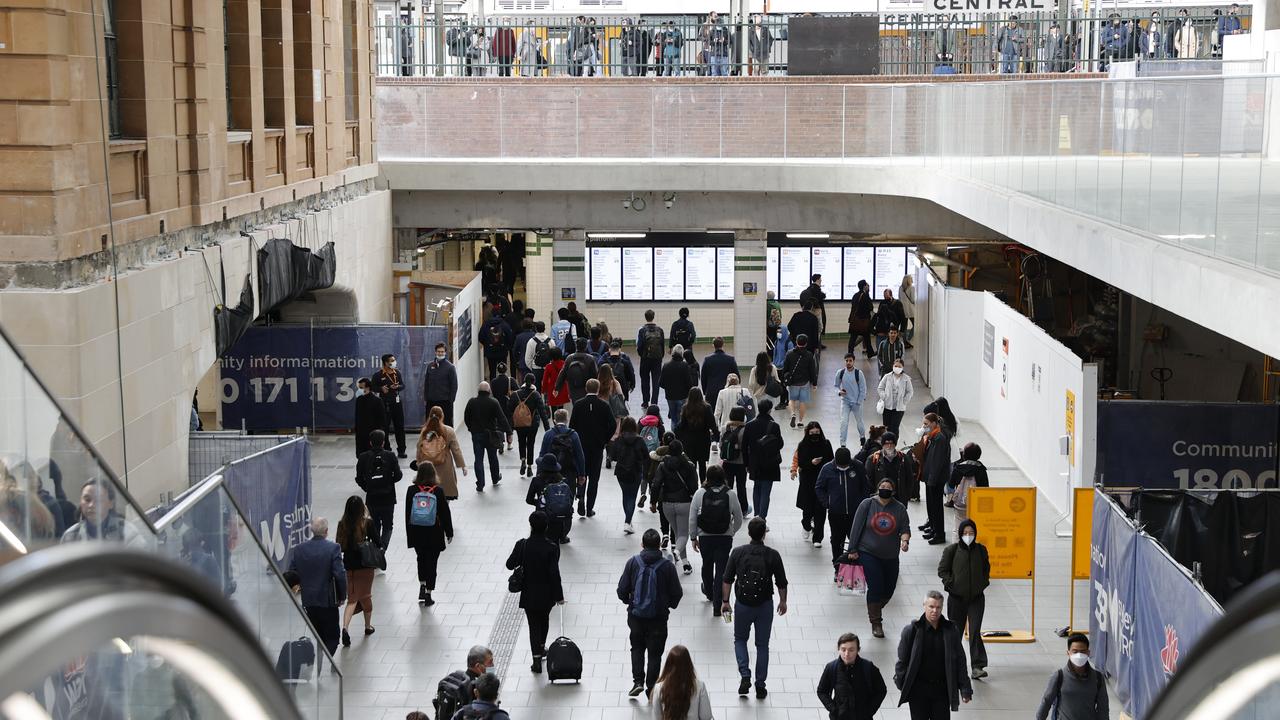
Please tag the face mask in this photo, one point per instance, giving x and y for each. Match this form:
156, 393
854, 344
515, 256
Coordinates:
814, 435
885, 493
393, 365
490, 671
897, 371
439, 357
890, 451
1079, 659
968, 539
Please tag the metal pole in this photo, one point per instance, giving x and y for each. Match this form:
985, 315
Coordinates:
439, 12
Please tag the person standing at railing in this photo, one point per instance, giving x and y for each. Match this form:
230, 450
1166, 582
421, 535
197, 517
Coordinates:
1115, 37
594, 56
1055, 50
476, 49
672, 42
1011, 45
529, 51
577, 53
1229, 24
632, 42
456, 39
503, 47
716, 42
1153, 41
646, 47
759, 45
1186, 41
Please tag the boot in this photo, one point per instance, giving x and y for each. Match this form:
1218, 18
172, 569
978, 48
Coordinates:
874, 614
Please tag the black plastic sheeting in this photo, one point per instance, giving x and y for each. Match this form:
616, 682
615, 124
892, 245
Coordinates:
1235, 539
230, 323
286, 271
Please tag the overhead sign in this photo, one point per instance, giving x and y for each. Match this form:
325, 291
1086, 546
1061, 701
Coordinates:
1006, 519
1189, 445
991, 6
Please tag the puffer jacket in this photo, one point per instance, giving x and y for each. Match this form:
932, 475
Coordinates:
965, 569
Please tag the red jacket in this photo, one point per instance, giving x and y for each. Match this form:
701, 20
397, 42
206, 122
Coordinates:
550, 374
503, 43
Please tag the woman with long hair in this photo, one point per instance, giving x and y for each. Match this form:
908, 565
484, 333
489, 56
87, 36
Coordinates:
812, 452
679, 694
541, 589
528, 396
427, 540
760, 375
354, 528
438, 446
630, 459
697, 430
611, 392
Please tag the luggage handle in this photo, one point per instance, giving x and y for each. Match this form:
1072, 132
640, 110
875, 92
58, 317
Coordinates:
561, 619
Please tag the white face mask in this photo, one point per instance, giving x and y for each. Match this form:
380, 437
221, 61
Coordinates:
897, 371
439, 357
968, 539
1079, 659
890, 451
392, 365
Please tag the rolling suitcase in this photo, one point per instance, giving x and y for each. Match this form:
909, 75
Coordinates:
564, 659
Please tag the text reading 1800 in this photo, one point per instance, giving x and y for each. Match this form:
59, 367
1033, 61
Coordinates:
1207, 479
270, 389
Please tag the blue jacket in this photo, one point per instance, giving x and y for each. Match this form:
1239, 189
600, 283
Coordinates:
1114, 38
561, 333
854, 384
839, 490
716, 369
669, 590
517, 351
1227, 25
440, 382
781, 346
318, 563
579, 458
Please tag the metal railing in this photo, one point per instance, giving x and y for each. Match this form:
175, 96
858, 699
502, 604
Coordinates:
910, 44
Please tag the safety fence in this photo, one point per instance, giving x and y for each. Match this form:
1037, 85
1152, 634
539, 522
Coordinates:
209, 451
691, 45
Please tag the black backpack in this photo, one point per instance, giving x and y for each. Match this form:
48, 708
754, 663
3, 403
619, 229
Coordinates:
753, 577
495, 337
683, 336
715, 515
651, 343
731, 445
293, 655
452, 693
541, 352
562, 448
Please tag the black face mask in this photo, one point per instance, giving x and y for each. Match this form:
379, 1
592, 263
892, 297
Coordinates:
885, 493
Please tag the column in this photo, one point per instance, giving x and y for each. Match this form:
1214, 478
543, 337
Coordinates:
749, 288
568, 269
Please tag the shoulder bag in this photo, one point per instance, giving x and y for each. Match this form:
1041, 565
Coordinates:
371, 555
515, 583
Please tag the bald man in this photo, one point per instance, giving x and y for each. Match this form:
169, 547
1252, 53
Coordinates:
487, 424
318, 565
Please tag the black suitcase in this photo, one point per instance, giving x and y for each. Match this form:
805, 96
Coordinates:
564, 659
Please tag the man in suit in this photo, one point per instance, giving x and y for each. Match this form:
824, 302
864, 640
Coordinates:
716, 369
371, 414
387, 384
595, 423
318, 563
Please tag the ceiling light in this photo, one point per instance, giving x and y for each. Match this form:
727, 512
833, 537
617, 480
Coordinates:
617, 236
422, 251
808, 236
721, 232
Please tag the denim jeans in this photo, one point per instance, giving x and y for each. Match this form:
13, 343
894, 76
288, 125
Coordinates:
1008, 63
847, 409
630, 490
882, 577
762, 489
670, 63
745, 619
480, 445
719, 65
673, 411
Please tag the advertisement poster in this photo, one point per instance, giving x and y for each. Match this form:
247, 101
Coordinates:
1007, 517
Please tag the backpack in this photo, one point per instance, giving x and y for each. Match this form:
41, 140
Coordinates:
557, 498
522, 416
651, 343
683, 336
961, 497
618, 405
495, 337
293, 655
472, 713
562, 448
644, 591
1057, 690
771, 445
377, 472
715, 516
452, 693
753, 578
541, 352
731, 445
425, 504
747, 403
436, 449
652, 436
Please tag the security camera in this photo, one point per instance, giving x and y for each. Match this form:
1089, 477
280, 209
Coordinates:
668, 200
626, 203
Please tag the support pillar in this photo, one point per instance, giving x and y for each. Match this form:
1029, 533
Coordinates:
568, 269
749, 309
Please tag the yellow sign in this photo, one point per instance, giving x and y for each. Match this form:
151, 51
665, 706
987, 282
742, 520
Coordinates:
1006, 519
1081, 532
1071, 427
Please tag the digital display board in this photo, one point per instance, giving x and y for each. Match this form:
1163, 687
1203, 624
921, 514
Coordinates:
771, 268
827, 262
668, 273
605, 266
724, 273
637, 276
793, 272
891, 265
859, 264
700, 273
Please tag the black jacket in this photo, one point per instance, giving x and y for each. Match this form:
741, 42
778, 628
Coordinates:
800, 368
675, 380
965, 569
814, 292
484, 414
578, 369
594, 422
716, 369
901, 470
969, 468
910, 648
496, 337
428, 538
675, 480
686, 325
623, 371
762, 465
836, 690
378, 481
840, 491
440, 382
669, 590
697, 437
540, 558
630, 457
530, 396
804, 323
371, 414
936, 468
389, 379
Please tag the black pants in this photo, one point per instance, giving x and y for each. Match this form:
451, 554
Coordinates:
558, 527
504, 67
588, 492
647, 636
933, 506
525, 438
491, 362
892, 420
362, 443
737, 477
866, 343
381, 521
446, 406
539, 625
816, 517
428, 561
960, 611
650, 372
702, 471
325, 619
395, 424
928, 706
840, 526
715, 556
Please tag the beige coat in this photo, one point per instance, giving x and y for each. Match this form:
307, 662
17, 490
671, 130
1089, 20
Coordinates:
445, 475
1187, 41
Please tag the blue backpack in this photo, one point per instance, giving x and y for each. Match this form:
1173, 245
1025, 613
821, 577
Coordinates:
644, 593
652, 437
558, 499
423, 511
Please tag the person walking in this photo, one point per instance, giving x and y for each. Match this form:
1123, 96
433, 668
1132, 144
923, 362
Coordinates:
555, 393
930, 670
860, 319
596, 425
579, 368
630, 459
815, 296
806, 322
714, 518
550, 493
527, 412
966, 473
716, 369
763, 380
675, 382
895, 392
537, 352
623, 371
651, 343
650, 588
438, 446
485, 705
907, 294
811, 454
679, 694
899, 468
675, 481
732, 458
501, 386
891, 349
428, 528
497, 339
851, 386
965, 571
377, 473
935, 471
756, 568
698, 430
562, 332
353, 530
564, 443
801, 371
487, 423
1076, 692
733, 395
851, 687
371, 415
762, 454
881, 530
319, 569
440, 384
840, 488
387, 383
537, 559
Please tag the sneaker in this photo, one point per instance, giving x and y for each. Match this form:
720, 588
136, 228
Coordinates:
808, 534
591, 513
422, 593
817, 543
640, 502
979, 673
666, 540
479, 488
744, 687
536, 667
793, 421
523, 468
497, 479
761, 692
937, 541
564, 541
949, 504
401, 455
627, 529
923, 527
636, 690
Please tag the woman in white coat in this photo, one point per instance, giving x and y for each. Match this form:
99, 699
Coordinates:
731, 397
907, 294
528, 50
895, 395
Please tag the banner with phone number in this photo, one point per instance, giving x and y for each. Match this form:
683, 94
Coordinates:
287, 376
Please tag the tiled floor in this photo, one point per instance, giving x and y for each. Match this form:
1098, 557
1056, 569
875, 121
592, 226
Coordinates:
396, 670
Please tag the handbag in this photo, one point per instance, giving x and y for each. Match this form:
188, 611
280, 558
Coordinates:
773, 388
515, 583
852, 579
371, 555
880, 406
